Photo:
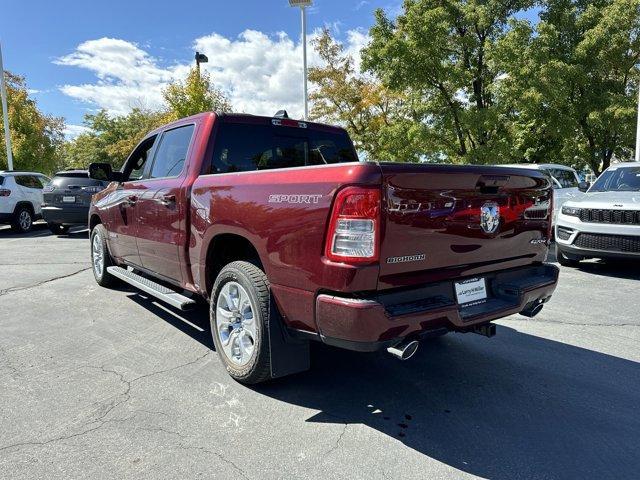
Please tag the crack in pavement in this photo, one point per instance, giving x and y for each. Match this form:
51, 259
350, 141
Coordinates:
337, 444
49, 280
101, 420
216, 454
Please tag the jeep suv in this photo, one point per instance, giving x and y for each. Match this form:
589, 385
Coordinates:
21, 198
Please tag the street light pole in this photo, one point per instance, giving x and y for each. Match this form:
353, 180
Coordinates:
305, 95
5, 114
303, 4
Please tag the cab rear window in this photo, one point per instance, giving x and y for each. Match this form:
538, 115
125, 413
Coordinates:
245, 147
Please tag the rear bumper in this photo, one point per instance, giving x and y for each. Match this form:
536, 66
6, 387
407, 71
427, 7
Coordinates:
373, 322
66, 215
6, 217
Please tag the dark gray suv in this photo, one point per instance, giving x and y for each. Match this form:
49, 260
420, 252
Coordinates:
67, 199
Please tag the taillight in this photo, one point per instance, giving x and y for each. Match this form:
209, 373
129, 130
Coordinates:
5, 192
93, 189
354, 228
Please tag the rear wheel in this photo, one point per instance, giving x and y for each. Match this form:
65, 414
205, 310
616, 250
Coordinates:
58, 229
240, 312
22, 220
100, 258
565, 260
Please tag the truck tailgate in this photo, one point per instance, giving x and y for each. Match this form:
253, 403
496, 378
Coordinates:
442, 221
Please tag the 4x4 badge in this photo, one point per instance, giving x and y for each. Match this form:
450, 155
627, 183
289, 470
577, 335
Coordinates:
490, 217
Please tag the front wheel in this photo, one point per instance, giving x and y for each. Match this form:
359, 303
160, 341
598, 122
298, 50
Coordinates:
100, 258
240, 312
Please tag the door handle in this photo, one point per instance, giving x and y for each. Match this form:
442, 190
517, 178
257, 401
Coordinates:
167, 200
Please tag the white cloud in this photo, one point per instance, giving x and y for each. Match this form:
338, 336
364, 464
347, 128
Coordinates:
72, 131
127, 76
260, 73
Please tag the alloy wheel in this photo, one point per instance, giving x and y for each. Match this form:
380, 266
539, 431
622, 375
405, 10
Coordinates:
235, 323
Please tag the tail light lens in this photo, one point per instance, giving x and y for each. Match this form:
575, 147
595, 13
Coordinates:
5, 192
354, 228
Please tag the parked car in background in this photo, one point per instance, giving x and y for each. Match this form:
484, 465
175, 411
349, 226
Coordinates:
67, 199
605, 222
290, 238
21, 198
566, 183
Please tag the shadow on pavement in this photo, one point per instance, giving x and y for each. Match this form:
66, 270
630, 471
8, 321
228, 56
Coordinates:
194, 323
517, 406
627, 268
39, 229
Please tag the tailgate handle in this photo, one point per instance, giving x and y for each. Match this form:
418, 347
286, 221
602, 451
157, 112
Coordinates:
491, 183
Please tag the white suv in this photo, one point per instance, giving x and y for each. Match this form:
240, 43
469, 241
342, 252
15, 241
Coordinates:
21, 198
606, 221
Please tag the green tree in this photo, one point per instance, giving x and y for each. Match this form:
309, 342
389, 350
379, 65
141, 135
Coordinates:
381, 122
194, 95
111, 139
441, 52
36, 138
570, 87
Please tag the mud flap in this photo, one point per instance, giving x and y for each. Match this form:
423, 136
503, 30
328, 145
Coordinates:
288, 355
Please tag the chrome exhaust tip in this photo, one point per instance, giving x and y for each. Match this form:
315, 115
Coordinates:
532, 310
404, 350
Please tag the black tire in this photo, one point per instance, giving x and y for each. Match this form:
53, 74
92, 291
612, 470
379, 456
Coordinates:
22, 219
255, 284
102, 276
564, 260
58, 229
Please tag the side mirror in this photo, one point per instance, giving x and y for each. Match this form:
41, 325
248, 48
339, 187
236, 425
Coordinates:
104, 172
584, 186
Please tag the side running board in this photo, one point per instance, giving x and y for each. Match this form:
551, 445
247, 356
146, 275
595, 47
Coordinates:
161, 292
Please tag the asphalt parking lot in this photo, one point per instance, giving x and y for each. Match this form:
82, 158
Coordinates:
98, 383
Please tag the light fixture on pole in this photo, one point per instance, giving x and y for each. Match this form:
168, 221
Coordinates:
200, 58
5, 114
303, 4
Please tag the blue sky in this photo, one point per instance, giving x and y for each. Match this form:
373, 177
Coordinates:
81, 56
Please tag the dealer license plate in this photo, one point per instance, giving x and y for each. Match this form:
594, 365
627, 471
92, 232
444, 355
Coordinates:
70, 199
470, 291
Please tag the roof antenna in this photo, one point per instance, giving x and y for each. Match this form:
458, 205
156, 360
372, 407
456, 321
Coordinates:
281, 114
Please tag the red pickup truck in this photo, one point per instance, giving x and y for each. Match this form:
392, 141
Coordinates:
290, 238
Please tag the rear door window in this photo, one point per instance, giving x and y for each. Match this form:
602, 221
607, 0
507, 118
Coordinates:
247, 147
28, 181
171, 153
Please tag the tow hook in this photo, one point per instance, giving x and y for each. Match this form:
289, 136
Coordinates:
404, 350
